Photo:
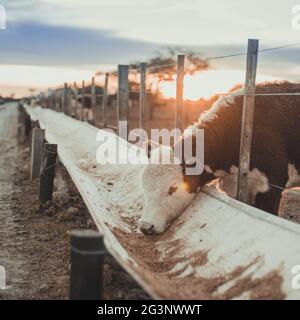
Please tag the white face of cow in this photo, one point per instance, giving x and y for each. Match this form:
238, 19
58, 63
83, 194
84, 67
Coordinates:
166, 194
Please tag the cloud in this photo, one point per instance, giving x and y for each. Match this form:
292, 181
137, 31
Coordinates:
171, 21
38, 44
47, 45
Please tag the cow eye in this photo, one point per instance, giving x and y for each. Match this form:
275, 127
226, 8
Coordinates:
172, 190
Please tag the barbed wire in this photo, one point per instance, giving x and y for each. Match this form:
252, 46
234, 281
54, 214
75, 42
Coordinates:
154, 67
260, 51
224, 56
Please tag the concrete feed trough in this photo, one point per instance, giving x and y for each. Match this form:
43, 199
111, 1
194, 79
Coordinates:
218, 248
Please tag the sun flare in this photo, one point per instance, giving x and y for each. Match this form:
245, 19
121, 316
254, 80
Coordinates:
208, 83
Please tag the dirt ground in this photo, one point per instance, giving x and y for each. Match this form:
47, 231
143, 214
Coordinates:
34, 240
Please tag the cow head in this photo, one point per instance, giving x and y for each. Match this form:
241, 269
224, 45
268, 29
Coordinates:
166, 193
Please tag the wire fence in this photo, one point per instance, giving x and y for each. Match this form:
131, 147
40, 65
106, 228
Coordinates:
90, 101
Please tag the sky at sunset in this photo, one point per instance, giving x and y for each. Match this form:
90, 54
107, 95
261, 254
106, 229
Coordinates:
48, 42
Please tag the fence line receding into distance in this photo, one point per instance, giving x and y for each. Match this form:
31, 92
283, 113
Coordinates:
61, 99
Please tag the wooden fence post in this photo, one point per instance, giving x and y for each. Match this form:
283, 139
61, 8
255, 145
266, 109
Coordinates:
104, 100
21, 122
179, 92
57, 99
87, 258
65, 99
82, 100
143, 67
123, 94
94, 102
46, 100
247, 120
37, 143
42, 99
76, 100
27, 124
54, 99
61, 100
49, 99
47, 172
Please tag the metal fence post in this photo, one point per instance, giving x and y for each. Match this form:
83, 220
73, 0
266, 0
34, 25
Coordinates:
143, 67
179, 92
47, 172
247, 120
123, 94
87, 258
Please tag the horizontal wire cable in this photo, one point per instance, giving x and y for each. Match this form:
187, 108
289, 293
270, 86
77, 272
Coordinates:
226, 56
270, 184
258, 94
214, 57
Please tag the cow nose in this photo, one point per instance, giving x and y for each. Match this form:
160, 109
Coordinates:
147, 228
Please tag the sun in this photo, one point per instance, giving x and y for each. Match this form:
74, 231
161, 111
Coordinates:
209, 83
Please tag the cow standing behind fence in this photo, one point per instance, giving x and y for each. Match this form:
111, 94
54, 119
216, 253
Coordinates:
275, 145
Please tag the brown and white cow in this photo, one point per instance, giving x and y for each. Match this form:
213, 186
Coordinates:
275, 145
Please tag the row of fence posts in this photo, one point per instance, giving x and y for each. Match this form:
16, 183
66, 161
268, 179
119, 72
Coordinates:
87, 247
61, 97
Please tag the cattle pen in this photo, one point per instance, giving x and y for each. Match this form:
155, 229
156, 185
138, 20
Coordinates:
220, 248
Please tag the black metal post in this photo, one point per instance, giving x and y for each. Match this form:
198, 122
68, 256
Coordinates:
87, 257
47, 172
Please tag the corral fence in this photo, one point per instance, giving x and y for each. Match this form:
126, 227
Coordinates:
92, 105
104, 110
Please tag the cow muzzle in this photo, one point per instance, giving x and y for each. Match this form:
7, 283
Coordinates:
147, 228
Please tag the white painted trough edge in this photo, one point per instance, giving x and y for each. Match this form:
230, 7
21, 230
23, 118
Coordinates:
87, 190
